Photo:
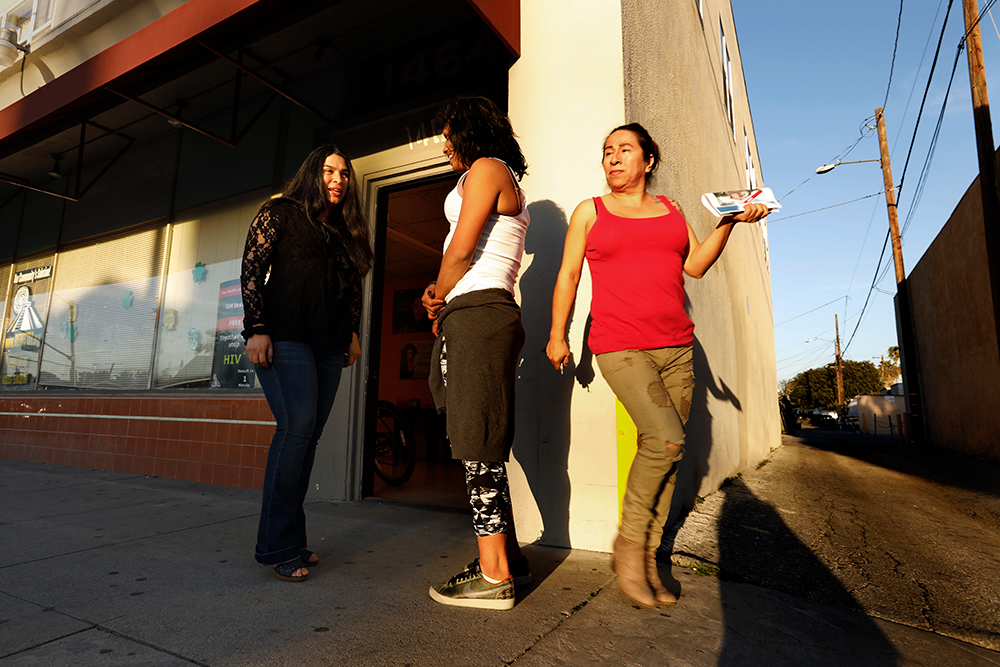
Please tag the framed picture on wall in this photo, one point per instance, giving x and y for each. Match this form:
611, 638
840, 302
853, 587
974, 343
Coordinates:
408, 314
415, 359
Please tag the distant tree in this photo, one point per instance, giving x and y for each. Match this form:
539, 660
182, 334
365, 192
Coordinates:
785, 387
860, 377
817, 387
889, 369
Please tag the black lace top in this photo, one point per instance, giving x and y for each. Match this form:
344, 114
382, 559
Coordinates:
313, 293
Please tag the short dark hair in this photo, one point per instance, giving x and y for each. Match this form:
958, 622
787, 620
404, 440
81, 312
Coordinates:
649, 148
309, 191
478, 128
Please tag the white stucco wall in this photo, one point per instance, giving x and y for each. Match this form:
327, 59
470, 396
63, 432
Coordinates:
566, 92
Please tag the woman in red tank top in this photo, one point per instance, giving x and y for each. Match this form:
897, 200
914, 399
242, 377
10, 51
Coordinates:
638, 247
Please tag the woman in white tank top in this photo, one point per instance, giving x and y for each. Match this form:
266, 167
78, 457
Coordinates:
479, 338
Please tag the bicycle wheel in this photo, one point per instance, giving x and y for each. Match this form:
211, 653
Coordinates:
395, 451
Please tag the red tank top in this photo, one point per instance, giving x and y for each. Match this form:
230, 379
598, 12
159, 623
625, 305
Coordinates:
636, 265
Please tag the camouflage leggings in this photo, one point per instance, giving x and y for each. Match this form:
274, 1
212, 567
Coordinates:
489, 495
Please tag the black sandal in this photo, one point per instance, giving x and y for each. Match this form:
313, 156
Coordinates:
286, 571
305, 557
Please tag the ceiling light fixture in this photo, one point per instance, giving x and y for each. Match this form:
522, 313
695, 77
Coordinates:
54, 173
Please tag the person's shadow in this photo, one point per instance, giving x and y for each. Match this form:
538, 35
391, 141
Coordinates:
543, 452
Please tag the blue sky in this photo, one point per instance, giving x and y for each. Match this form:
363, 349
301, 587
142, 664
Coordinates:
815, 71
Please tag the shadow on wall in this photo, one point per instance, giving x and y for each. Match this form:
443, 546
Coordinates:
694, 467
757, 549
543, 453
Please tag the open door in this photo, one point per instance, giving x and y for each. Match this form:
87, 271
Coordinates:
406, 454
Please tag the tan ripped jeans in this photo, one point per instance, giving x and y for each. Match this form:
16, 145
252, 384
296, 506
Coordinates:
655, 386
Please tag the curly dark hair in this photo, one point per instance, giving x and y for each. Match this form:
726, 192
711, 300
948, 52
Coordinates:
649, 148
309, 191
477, 128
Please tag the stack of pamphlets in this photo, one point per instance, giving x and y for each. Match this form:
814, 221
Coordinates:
731, 202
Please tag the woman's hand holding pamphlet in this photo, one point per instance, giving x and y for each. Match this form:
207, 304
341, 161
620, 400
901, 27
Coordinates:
731, 202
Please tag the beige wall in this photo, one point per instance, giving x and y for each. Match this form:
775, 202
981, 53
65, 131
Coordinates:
956, 336
878, 414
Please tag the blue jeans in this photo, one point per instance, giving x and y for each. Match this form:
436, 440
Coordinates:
300, 386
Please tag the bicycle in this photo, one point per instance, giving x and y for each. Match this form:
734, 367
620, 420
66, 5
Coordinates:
395, 449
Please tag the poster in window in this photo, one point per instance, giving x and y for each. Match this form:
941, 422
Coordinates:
415, 359
408, 313
231, 368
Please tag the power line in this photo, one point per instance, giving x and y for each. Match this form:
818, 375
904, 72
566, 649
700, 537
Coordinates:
870, 290
844, 153
930, 77
811, 311
817, 210
878, 278
978, 19
925, 171
892, 65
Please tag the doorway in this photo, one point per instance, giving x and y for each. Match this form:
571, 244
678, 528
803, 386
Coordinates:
410, 232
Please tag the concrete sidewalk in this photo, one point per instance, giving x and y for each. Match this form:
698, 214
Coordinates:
101, 568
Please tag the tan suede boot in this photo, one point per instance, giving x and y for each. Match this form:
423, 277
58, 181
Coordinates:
630, 566
661, 594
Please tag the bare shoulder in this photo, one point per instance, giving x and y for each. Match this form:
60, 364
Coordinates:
585, 211
486, 167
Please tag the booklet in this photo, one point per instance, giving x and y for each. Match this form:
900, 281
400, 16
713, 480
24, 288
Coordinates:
731, 202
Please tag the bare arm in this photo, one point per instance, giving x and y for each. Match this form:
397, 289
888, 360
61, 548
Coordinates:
258, 250
564, 295
486, 182
701, 256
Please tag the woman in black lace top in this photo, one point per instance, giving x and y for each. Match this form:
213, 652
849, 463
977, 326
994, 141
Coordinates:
305, 257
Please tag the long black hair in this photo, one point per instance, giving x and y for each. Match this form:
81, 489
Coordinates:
309, 191
649, 148
477, 128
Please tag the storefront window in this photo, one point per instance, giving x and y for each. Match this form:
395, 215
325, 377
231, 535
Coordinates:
24, 323
102, 319
199, 343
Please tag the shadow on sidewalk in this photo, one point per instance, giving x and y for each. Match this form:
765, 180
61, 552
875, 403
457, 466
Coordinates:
758, 550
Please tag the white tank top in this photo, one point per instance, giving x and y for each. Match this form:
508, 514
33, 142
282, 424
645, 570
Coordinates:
500, 247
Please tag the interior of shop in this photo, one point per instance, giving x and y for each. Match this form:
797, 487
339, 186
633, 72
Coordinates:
407, 260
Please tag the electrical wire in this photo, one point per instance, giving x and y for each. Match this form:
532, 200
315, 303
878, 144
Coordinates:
844, 153
892, 65
868, 298
920, 112
978, 19
995, 29
920, 66
811, 311
816, 210
925, 171
881, 272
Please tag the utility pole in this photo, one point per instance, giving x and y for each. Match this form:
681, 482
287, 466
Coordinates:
904, 318
988, 185
890, 198
840, 367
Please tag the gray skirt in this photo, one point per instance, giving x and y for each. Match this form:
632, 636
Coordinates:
481, 337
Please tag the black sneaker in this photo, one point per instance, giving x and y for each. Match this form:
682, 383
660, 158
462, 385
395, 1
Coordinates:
519, 569
470, 589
